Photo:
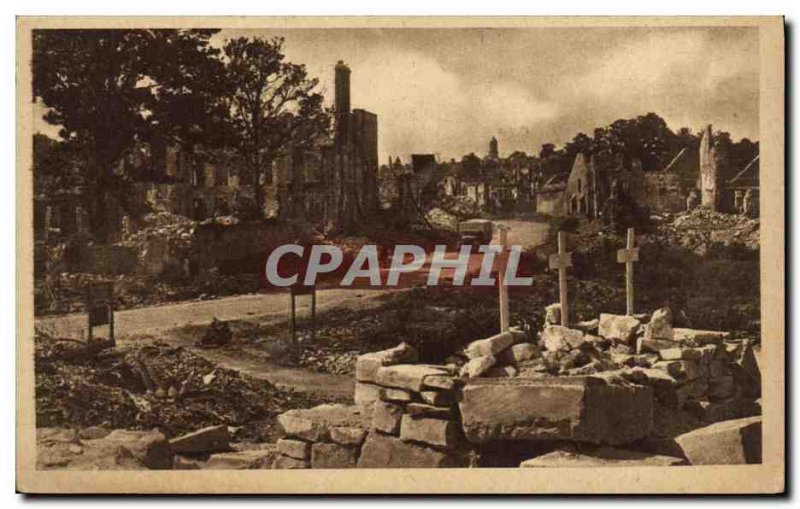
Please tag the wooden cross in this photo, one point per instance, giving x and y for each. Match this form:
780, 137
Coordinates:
561, 261
628, 256
503, 289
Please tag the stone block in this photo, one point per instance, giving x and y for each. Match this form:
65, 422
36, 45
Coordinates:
680, 370
681, 354
700, 337
477, 367
644, 345
618, 328
603, 457
314, 424
294, 448
556, 337
333, 456
383, 451
552, 314
366, 393
436, 432
150, 448
386, 417
286, 463
407, 376
256, 459
63, 449
734, 442
520, 353
445, 382
437, 398
399, 395
348, 436
367, 365
587, 326
660, 325
575, 408
489, 346
423, 410
210, 439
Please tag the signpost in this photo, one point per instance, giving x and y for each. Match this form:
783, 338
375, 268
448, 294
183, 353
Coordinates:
100, 309
294, 291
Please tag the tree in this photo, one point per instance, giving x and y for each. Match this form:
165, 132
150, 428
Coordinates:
273, 105
106, 90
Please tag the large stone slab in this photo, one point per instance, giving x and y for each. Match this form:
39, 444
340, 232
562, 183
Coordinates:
618, 328
382, 451
367, 365
724, 443
119, 450
564, 408
407, 376
210, 439
603, 457
314, 424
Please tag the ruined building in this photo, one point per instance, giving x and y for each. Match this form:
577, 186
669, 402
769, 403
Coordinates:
693, 178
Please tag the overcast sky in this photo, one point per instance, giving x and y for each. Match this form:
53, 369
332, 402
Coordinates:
447, 91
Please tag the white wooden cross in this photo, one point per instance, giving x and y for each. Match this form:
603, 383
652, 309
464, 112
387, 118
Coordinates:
561, 261
628, 256
503, 289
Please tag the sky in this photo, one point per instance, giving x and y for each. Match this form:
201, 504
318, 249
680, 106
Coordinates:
448, 91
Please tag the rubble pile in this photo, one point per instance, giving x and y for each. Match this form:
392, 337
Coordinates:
153, 386
616, 390
701, 230
164, 226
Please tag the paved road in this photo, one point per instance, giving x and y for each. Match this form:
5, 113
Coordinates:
158, 321
155, 320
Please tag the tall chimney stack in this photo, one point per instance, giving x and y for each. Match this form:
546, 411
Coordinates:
342, 101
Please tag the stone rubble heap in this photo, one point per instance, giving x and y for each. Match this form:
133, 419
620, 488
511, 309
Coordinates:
594, 384
614, 391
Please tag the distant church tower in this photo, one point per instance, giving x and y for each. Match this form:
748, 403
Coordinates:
493, 148
342, 103
709, 173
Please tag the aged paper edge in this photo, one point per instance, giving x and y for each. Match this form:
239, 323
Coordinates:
768, 477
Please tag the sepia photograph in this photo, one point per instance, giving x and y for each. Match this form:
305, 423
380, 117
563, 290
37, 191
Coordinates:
501, 247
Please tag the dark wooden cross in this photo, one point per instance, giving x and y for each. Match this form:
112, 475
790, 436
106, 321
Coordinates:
628, 256
561, 261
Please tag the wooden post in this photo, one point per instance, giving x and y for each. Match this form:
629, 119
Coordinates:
561, 261
313, 313
293, 325
501, 283
628, 256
